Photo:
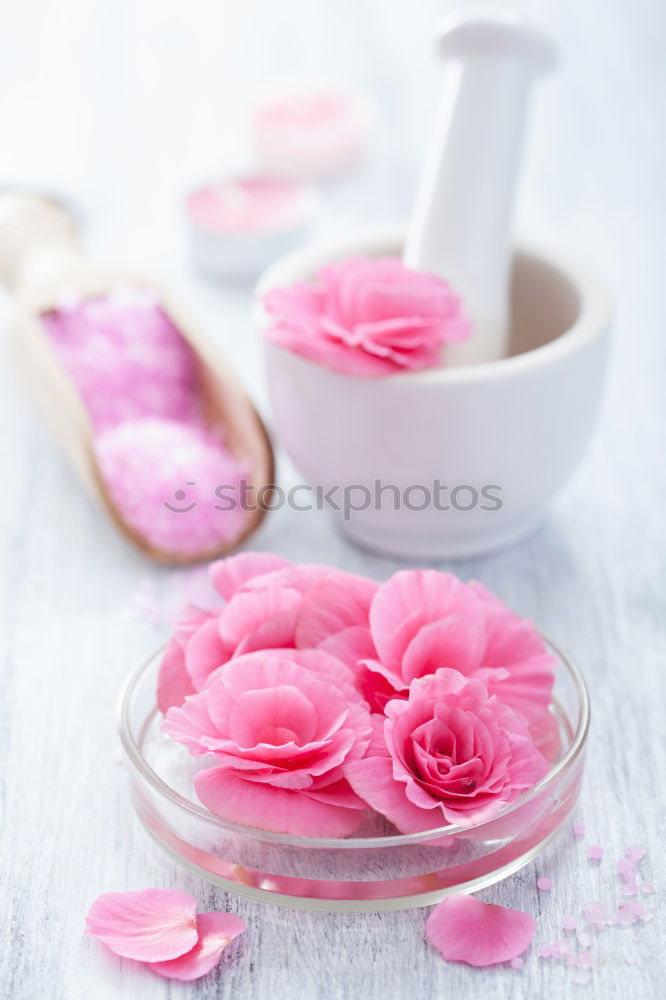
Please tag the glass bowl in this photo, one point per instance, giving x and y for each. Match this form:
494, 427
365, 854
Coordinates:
377, 869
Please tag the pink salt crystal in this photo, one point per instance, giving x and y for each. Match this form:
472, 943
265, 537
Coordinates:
647, 888
595, 912
647, 916
579, 830
584, 939
564, 947
636, 852
571, 960
595, 853
517, 963
628, 889
544, 884
569, 924
585, 960
626, 915
625, 868
544, 951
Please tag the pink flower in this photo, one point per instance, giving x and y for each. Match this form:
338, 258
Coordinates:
265, 595
367, 316
279, 726
161, 928
454, 754
421, 620
464, 929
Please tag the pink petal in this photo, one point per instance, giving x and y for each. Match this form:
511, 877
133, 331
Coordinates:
351, 646
216, 932
333, 605
416, 596
456, 642
277, 809
372, 780
463, 929
174, 683
228, 575
149, 925
205, 652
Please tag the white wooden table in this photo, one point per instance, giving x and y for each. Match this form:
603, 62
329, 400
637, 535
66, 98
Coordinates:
126, 104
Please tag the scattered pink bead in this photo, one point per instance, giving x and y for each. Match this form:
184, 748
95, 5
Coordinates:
636, 852
544, 884
579, 829
595, 853
517, 964
569, 924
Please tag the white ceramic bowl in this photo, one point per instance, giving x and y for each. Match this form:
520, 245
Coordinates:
500, 438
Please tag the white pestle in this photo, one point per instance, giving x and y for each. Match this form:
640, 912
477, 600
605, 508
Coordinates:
461, 225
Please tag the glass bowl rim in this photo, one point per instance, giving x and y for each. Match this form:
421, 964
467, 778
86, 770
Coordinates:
140, 764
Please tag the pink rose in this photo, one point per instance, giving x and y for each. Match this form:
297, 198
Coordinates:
453, 755
265, 596
279, 727
368, 316
421, 620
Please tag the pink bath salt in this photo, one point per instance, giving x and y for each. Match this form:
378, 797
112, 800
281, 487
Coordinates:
636, 852
569, 924
584, 939
517, 964
595, 853
544, 884
544, 951
176, 486
585, 959
125, 356
579, 830
628, 889
647, 889
308, 132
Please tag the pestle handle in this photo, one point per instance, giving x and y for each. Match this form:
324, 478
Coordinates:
461, 225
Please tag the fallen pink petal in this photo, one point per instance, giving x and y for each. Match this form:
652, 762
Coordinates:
464, 929
216, 932
150, 925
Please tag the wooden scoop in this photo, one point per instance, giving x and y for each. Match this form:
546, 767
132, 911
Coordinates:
42, 263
